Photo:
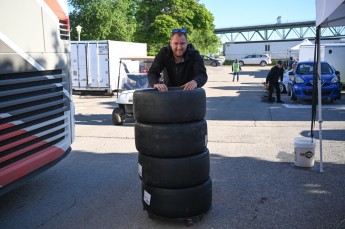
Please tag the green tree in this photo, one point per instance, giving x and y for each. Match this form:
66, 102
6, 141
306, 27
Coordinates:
103, 19
156, 19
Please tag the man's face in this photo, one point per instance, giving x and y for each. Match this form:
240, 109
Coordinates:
178, 45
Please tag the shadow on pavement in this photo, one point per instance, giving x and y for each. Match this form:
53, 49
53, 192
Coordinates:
103, 191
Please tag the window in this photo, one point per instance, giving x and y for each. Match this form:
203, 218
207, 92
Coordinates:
267, 48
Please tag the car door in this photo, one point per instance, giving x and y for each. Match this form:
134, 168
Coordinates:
250, 59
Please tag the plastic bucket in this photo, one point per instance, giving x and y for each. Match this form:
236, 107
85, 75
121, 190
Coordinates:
304, 151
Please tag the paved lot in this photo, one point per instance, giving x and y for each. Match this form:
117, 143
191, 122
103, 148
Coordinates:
255, 184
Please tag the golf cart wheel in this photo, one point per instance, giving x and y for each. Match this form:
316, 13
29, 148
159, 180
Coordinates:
214, 64
181, 172
174, 106
118, 116
171, 140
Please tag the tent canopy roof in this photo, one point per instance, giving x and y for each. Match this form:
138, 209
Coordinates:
330, 13
304, 42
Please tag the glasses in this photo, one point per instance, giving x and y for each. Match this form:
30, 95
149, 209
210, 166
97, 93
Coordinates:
179, 31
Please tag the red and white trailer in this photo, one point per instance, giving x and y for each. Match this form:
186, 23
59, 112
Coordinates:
36, 107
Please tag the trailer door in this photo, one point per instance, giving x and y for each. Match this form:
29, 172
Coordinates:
103, 71
82, 65
74, 66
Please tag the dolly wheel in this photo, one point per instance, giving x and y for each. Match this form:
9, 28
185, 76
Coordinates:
118, 116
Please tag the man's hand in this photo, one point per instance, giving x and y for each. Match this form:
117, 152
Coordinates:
191, 85
161, 87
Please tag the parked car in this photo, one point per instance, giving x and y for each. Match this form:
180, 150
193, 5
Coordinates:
211, 61
302, 83
262, 59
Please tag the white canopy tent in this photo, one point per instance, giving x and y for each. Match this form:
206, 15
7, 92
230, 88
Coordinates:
304, 42
329, 13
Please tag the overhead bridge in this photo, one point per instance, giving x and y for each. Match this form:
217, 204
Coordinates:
278, 31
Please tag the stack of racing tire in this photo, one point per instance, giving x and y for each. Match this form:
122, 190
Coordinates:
173, 160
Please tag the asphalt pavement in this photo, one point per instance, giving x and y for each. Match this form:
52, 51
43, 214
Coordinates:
251, 144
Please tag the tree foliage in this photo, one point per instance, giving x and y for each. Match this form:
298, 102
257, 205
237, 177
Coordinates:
103, 19
156, 19
147, 21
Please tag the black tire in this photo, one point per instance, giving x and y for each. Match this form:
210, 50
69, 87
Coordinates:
177, 203
173, 106
214, 64
118, 116
171, 140
179, 172
263, 63
241, 63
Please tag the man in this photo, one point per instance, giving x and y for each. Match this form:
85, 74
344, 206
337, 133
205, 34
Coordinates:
236, 67
272, 79
182, 65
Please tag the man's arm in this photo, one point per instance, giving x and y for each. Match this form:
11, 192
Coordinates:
199, 70
156, 68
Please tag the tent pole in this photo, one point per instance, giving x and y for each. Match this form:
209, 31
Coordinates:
319, 95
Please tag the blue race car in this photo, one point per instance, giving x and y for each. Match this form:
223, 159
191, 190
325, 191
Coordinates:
302, 81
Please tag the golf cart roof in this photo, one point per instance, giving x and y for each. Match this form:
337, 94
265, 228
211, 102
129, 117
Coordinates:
138, 58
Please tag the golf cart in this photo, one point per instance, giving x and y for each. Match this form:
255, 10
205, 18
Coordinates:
132, 76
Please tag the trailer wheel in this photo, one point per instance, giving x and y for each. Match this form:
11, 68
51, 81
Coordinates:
118, 116
177, 203
171, 140
173, 106
179, 172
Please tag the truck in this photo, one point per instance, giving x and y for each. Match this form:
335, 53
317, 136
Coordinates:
95, 64
36, 106
333, 53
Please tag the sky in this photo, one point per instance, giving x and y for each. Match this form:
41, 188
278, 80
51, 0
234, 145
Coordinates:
235, 13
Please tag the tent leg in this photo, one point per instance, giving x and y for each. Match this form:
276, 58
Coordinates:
319, 96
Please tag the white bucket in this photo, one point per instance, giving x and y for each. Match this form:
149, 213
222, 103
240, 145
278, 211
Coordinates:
304, 151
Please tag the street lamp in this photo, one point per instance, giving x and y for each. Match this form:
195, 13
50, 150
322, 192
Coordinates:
78, 31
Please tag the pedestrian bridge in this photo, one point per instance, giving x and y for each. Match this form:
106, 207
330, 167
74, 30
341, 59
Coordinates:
278, 31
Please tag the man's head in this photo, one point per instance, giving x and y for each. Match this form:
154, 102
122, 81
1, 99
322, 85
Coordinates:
280, 63
178, 42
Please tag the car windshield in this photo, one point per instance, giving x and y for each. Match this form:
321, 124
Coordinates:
308, 68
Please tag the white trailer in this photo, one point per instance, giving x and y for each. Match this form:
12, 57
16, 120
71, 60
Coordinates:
276, 49
334, 54
95, 64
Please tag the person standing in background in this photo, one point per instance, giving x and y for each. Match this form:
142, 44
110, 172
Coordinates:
236, 67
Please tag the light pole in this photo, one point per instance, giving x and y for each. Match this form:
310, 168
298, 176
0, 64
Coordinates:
78, 31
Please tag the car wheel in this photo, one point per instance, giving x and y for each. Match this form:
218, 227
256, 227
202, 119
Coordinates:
181, 172
177, 203
263, 63
241, 63
175, 140
174, 106
118, 116
214, 64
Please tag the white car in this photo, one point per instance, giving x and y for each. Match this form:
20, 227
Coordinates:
261, 59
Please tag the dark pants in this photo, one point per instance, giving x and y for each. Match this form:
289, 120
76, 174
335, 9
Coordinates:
235, 73
271, 87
